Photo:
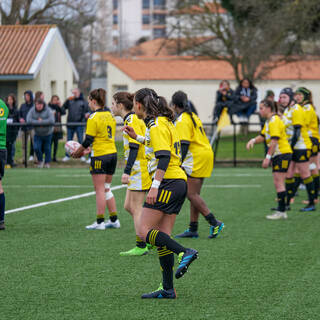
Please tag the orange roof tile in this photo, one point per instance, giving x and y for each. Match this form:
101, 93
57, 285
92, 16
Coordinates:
188, 68
19, 46
194, 9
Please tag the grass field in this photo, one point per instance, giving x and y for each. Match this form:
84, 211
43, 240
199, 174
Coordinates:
52, 268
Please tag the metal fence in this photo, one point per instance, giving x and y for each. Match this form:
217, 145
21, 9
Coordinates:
209, 128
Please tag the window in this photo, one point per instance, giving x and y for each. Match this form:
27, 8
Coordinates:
159, 4
53, 86
146, 19
115, 4
159, 19
159, 33
115, 19
145, 4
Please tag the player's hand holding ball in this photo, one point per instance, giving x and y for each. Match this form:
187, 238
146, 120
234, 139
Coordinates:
125, 179
75, 149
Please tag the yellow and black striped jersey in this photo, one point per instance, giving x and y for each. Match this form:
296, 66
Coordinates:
140, 129
197, 162
311, 121
164, 139
293, 116
275, 128
102, 126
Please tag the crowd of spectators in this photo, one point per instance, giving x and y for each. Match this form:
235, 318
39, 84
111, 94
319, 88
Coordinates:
42, 136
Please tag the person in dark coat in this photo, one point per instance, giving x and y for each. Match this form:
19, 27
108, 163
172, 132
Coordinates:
27, 131
12, 132
224, 99
245, 100
58, 111
78, 111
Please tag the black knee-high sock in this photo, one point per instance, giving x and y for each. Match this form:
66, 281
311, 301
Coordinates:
281, 201
2, 207
193, 226
161, 239
166, 259
316, 181
211, 219
289, 189
140, 243
297, 181
310, 189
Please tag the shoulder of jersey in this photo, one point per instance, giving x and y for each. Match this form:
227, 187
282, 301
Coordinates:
274, 118
92, 116
151, 124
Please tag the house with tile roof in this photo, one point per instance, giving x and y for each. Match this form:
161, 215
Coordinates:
200, 78
35, 57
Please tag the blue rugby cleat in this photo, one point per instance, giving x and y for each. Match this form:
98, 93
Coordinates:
215, 230
185, 259
160, 293
188, 234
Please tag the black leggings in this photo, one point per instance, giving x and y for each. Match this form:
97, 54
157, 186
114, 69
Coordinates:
55, 143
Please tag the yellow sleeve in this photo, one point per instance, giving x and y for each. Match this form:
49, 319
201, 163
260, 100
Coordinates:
184, 127
91, 126
274, 129
263, 131
298, 117
134, 123
160, 139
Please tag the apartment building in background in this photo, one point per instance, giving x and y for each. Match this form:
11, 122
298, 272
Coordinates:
134, 20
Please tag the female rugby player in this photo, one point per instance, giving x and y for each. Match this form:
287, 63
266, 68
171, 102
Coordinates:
303, 96
100, 132
168, 190
197, 161
279, 153
136, 174
297, 134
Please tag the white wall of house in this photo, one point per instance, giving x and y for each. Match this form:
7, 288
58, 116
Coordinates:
202, 92
55, 75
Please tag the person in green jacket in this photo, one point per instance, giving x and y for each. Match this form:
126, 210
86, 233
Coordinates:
4, 112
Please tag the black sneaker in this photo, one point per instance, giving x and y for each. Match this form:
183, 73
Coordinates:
160, 293
185, 259
2, 227
308, 208
188, 234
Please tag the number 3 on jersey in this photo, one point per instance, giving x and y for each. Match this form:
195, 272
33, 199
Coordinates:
109, 129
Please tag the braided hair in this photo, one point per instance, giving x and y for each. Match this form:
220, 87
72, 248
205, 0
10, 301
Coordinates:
180, 99
154, 105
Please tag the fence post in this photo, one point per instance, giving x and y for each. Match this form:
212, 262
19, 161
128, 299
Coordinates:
234, 145
25, 137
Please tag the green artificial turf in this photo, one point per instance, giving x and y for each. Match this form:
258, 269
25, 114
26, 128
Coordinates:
52, 268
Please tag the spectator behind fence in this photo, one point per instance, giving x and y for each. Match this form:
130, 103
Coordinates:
12, 132
78, 111
27, 132
245, 101
41, 114
224, 99
58, 111
39, 95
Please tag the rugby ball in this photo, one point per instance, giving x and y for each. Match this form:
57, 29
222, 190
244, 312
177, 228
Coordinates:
71, 146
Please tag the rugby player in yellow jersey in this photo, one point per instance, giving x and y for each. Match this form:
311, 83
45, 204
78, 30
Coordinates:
136, 174
303, 96
168, 190
100, 133
279, 153
297, 134
197, 162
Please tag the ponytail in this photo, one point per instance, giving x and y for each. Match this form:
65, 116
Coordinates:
99, 95
180, 99
125, 98
154, 105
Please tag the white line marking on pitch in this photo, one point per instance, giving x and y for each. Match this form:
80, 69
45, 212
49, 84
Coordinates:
222, 186
46, 186
42, 204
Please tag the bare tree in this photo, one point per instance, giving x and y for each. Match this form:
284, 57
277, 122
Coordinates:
254, 36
